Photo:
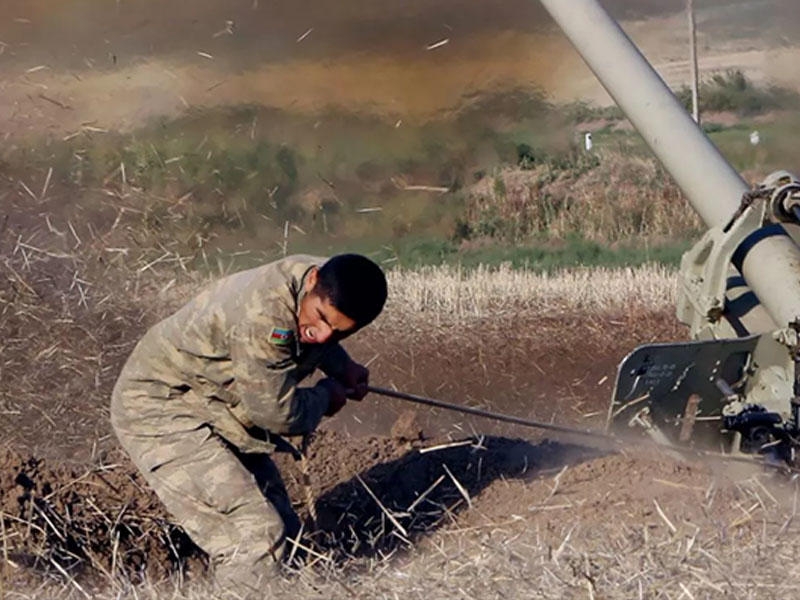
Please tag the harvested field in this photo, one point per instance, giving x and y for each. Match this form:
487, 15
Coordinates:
398, 501
431, 503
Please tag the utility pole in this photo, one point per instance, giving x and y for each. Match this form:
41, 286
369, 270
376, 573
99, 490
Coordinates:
693, 60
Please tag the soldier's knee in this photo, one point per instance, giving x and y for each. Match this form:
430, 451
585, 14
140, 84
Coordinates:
249, 568
245, 580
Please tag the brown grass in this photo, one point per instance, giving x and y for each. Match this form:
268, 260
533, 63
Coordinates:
74, 298
447, 294
620, 199
731, 538
66, 311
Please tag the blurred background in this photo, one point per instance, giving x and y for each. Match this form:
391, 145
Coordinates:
419, 132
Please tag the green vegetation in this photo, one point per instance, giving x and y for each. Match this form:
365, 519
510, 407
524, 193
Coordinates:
734, 92
501, 178
583, 112
571, 252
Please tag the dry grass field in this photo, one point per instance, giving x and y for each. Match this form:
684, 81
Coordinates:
470, 509
409, 502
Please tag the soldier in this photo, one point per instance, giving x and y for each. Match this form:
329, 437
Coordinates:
207, 393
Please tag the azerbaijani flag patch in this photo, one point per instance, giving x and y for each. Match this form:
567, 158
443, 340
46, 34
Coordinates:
281, 336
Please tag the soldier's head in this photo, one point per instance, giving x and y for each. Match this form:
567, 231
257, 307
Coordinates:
343, 295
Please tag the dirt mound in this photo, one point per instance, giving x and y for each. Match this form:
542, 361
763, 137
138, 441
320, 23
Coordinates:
92, 524
403, 494
370, 496
73, 506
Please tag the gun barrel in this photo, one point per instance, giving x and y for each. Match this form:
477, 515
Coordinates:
712, 186
770, 264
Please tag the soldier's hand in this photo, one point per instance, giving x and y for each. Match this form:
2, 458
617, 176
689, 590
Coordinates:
355, 380
337, 395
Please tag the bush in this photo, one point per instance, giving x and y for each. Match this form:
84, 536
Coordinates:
577, 195
581, 112
734, 92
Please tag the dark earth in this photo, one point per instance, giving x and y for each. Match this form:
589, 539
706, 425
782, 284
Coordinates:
72, 503
72, 309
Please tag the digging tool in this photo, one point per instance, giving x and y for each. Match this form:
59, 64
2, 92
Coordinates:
679, 451
485, 413
308, 490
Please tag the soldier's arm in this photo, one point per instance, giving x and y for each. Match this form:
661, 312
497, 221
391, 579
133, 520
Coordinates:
267, 381
354, 377
335, 361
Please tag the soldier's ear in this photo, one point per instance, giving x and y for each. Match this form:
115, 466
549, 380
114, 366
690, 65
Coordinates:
311, 279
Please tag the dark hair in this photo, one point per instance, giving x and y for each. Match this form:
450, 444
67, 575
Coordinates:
355, 285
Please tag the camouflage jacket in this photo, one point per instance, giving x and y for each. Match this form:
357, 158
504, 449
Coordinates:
230, 358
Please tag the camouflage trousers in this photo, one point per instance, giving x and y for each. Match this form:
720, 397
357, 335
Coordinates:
233, 505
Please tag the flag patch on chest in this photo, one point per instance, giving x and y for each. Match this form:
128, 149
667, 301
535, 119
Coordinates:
281, 336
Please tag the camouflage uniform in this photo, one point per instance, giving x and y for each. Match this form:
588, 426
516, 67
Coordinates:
200, 403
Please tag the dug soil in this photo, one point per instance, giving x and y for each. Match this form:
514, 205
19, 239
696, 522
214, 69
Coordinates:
380, 477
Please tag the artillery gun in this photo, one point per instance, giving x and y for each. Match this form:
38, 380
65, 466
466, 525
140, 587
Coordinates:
736, 387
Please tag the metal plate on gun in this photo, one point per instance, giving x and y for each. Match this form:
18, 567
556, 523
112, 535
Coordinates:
662, 386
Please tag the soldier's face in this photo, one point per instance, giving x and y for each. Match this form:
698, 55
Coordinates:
318, 319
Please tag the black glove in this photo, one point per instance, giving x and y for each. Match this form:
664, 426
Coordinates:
355, 379
337, 395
